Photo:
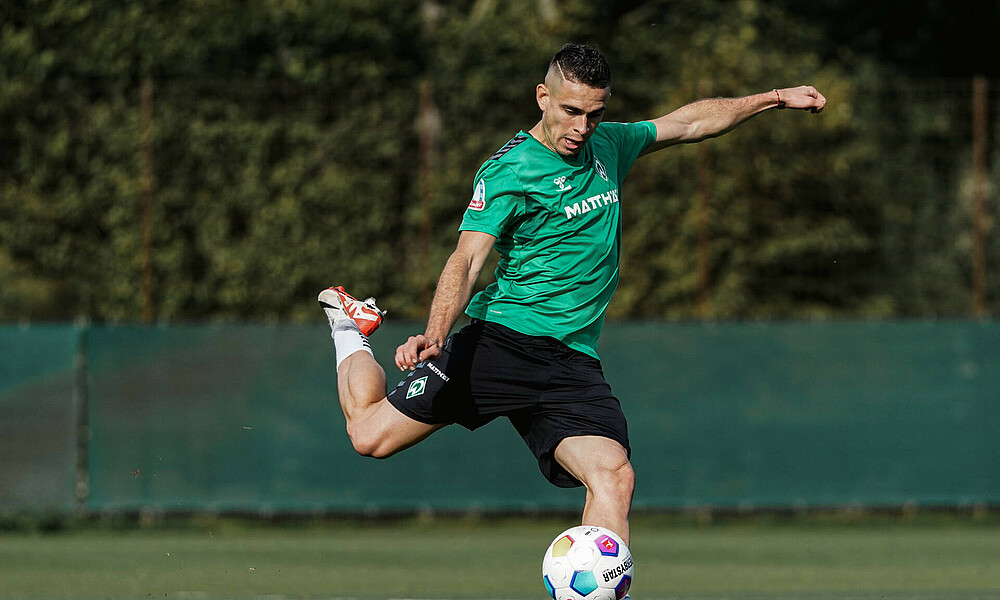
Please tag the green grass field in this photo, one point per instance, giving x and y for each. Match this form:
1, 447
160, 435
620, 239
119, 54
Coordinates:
746, 559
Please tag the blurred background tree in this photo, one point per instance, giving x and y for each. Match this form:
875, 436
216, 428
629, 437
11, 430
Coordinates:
179, 160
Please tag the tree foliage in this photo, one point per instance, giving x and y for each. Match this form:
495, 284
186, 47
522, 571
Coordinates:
295, 145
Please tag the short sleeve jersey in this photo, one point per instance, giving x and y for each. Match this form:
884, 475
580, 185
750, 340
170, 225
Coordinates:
557, 221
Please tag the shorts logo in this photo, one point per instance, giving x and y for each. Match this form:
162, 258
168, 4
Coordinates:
479, 197
417, 387
600, 169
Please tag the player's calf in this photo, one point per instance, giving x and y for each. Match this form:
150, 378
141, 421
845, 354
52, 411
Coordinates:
360, 379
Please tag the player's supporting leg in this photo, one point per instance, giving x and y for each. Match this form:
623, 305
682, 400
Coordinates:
374, 425
603, 467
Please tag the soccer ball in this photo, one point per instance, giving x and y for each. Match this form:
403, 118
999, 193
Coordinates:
587, 563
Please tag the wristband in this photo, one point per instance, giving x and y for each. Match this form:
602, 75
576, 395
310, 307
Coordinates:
778, 95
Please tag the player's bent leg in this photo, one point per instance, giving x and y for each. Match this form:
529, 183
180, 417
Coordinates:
360, 385
376, 428
603, 467
381, 430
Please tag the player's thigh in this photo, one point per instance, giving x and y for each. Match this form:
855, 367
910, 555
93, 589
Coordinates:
386, 431
594, 459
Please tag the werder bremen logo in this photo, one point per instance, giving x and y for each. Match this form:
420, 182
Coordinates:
600, 169
417, 387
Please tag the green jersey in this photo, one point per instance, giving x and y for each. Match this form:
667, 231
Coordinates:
557, 221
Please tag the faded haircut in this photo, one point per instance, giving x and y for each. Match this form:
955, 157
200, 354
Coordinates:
582, 64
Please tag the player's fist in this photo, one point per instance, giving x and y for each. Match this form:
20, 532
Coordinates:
804, 97
417, 349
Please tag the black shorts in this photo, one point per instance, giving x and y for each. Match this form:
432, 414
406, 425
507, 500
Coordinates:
546, 389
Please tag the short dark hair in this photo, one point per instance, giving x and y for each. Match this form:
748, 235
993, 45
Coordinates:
582, 64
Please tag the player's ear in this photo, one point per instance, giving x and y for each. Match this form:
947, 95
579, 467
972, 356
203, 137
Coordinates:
542, 96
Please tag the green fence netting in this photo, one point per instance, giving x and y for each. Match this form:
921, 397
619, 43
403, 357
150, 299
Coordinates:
38, 417
245, 418
811, 413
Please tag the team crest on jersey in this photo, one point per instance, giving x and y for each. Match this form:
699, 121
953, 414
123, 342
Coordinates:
599, 166
479, 197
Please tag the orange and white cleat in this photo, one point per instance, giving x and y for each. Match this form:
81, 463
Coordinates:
338, 304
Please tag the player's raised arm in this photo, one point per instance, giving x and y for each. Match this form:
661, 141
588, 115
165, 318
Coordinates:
453, 291
715, 116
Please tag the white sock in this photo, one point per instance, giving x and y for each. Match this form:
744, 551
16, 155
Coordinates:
348, 339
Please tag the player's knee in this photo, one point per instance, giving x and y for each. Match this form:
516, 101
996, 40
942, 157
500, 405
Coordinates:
615, 481
368, 443
371, 448
625, 480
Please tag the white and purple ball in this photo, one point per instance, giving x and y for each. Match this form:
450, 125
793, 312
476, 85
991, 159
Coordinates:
587, 563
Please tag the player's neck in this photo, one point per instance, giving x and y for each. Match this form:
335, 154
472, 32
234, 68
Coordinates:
538, 132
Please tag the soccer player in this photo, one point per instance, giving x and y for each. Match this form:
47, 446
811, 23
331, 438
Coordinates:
549, 201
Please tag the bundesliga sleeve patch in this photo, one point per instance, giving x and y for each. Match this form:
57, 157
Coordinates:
479, 197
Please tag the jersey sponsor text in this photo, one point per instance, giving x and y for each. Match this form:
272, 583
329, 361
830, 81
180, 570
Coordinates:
592, 203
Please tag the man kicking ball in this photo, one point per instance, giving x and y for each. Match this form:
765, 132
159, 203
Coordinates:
549, 201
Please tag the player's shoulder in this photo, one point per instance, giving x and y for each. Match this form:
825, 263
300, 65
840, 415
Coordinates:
507, 162
617, 135
619, 128
606, 126
510, 151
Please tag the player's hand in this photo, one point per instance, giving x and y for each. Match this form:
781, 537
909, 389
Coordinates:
804, 97
417, 349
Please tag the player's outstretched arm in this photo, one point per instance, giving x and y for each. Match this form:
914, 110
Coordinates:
453, 291
715, 116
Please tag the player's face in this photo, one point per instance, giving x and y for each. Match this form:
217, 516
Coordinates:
570, 114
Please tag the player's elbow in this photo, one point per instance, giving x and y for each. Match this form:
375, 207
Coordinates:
700, 131
693, 132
